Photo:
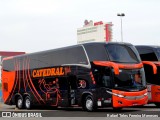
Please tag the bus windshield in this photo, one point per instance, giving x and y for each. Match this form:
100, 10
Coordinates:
122, 54
130, 79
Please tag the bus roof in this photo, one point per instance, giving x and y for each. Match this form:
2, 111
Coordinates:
147, 46
92, 43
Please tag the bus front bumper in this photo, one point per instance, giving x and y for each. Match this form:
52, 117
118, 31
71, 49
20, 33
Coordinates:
127, 99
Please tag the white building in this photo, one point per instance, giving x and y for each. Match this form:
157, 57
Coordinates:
94, 32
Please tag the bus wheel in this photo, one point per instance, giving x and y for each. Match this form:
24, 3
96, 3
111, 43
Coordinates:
89, 103
27, 102
157, 104
19, 103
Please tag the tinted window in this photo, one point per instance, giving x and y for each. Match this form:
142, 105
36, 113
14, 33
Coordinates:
103, 76
72, 55
96, 52
121, 53
8, 65
130, 79
36, 61
147, 54
158, 53
150, 77
76, 55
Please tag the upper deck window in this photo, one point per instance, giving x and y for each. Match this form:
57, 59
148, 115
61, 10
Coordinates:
121, 53
147, 54
96, 52
158, 53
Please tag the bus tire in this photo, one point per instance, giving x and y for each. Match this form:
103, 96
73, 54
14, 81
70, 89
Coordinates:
27, 102
89, 104
19, 102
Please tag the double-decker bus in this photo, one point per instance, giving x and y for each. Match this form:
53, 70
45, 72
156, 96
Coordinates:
90, 75
150, 56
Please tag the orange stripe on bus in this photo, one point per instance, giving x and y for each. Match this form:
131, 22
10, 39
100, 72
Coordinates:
24, 82
29, 84
33, 84
151, 64
116, 66
157, 63
15, 80
130, 66
108, 64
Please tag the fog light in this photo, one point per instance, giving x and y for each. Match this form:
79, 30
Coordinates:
120, 102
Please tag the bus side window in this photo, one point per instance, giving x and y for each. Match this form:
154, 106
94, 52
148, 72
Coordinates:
103, 76
72, 81
106, 77
147, 54
106, 81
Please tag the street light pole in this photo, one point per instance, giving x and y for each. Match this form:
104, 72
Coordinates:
121, 15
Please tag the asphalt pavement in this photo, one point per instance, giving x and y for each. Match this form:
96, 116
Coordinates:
143, 112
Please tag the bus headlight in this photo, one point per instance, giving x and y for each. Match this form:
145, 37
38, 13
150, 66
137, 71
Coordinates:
121, 96
118, 95
145, 94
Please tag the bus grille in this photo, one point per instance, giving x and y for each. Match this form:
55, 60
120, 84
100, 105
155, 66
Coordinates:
134, 97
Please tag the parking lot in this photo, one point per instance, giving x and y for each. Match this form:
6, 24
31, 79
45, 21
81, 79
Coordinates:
78, 112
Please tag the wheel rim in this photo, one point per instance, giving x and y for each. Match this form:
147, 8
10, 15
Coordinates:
89, 104
19, 103
28, 103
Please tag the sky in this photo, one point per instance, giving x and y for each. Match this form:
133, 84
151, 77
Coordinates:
37, 25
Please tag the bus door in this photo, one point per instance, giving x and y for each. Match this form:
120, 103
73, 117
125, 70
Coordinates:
68, 90
104, 79
72, 90
63, 87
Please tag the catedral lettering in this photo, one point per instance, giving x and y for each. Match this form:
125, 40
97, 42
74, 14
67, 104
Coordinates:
90, 75
48, 72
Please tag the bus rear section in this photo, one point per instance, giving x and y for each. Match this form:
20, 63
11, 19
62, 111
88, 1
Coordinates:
8, 81
150, 56
119, 76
